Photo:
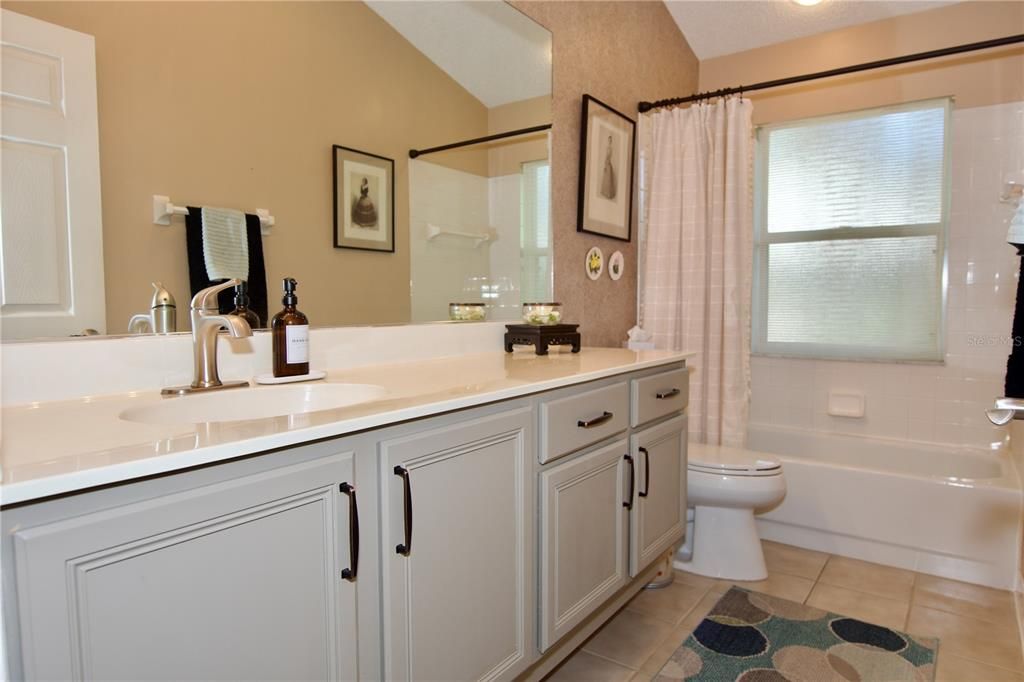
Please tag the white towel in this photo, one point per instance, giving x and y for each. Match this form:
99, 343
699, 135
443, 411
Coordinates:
225, 244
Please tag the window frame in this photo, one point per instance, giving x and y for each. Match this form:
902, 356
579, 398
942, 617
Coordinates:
764, 239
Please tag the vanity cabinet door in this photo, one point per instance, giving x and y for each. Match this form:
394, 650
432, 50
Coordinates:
235, 580
658, 517
583, 543
457, 543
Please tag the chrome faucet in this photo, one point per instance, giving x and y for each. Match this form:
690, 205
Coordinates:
206, 323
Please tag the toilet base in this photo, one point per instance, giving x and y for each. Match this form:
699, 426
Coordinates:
725, 545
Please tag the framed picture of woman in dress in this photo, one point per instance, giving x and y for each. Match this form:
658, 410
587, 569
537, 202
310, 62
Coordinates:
364, 201
607, 148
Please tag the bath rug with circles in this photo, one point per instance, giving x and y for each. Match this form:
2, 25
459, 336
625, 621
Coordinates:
753, 637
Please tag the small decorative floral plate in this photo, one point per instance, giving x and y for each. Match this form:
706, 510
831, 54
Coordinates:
594, 263
615, 265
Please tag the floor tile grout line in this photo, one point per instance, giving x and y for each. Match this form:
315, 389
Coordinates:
988, 663
914, 602
609, 659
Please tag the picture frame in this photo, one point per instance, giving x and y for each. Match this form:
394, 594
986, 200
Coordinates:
607, 155
364, 200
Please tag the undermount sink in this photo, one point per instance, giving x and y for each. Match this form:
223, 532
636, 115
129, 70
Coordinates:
260, 402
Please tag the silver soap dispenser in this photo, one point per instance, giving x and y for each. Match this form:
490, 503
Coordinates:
163, 313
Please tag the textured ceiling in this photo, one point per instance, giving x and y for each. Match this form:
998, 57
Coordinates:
472, 41
719, 27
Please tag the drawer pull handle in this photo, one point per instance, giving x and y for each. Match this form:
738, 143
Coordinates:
596, 421
665, 395
406, 546
353, 533
647, 473
628, 503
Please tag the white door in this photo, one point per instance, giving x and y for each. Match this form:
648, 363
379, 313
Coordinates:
51, 230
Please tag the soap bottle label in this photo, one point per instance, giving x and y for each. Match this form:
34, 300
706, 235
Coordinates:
296, 343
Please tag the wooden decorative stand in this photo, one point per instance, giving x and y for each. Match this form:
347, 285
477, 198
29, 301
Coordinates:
541, 336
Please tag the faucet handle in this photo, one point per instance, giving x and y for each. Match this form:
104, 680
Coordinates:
207, 298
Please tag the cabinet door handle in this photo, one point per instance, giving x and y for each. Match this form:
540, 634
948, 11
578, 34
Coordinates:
647, 473
596, 421
353, 533
628, 504
406, 546
665, 395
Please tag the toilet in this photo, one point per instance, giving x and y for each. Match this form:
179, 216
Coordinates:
725, 485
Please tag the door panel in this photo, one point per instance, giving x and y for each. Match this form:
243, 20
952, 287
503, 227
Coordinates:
658, 519
236, 580
456, 607
583, 537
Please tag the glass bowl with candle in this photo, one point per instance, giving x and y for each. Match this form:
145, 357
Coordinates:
542, 313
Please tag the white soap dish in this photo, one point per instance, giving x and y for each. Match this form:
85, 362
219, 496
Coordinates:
271, 379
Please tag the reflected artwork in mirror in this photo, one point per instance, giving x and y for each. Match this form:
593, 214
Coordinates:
112, 109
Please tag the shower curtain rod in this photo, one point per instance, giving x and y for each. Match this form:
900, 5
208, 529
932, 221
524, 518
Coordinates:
413, 153
881, 63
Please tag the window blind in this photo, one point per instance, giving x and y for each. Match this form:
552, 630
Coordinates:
850, 234
535, 232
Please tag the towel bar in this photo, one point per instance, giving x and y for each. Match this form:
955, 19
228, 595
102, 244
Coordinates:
164, 209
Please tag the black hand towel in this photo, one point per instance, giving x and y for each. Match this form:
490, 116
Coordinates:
1014, 387
198, 278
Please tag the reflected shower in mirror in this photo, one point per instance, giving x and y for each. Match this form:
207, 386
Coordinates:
239, 106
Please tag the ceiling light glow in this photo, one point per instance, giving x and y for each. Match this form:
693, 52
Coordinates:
807, 3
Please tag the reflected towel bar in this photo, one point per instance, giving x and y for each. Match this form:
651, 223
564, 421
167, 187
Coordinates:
433, 231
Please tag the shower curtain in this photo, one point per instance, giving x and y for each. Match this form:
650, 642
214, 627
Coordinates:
695, 294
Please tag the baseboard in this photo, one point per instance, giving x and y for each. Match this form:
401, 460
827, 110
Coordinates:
1018, 604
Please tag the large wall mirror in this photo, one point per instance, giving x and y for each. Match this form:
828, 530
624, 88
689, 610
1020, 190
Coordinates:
246, 105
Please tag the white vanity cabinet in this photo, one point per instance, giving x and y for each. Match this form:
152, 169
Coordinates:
486, 537
608, 513
236, 579
457, 518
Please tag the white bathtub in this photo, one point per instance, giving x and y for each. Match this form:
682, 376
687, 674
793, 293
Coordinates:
950, 512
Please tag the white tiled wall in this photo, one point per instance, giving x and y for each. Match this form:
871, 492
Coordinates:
443, 269
942, 403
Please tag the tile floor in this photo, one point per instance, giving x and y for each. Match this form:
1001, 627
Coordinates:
977, 625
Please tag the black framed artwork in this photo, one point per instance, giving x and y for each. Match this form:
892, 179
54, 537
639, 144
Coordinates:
364, 200
607, 151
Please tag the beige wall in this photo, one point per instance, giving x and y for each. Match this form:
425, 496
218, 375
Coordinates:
619, 52
507, 157
298, 77
975, 79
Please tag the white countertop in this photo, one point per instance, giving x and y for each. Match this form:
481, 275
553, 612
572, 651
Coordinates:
52, 448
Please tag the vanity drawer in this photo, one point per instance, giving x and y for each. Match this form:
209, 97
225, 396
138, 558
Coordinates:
659, 395
576, 421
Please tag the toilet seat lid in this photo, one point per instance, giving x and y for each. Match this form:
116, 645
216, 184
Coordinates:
733, 461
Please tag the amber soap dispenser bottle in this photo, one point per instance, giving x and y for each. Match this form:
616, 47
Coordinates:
290, 329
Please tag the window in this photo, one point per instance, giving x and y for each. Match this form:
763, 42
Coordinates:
535, 233
850, 234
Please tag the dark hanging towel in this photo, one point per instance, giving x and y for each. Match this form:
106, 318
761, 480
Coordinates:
257, 270
1014, 387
